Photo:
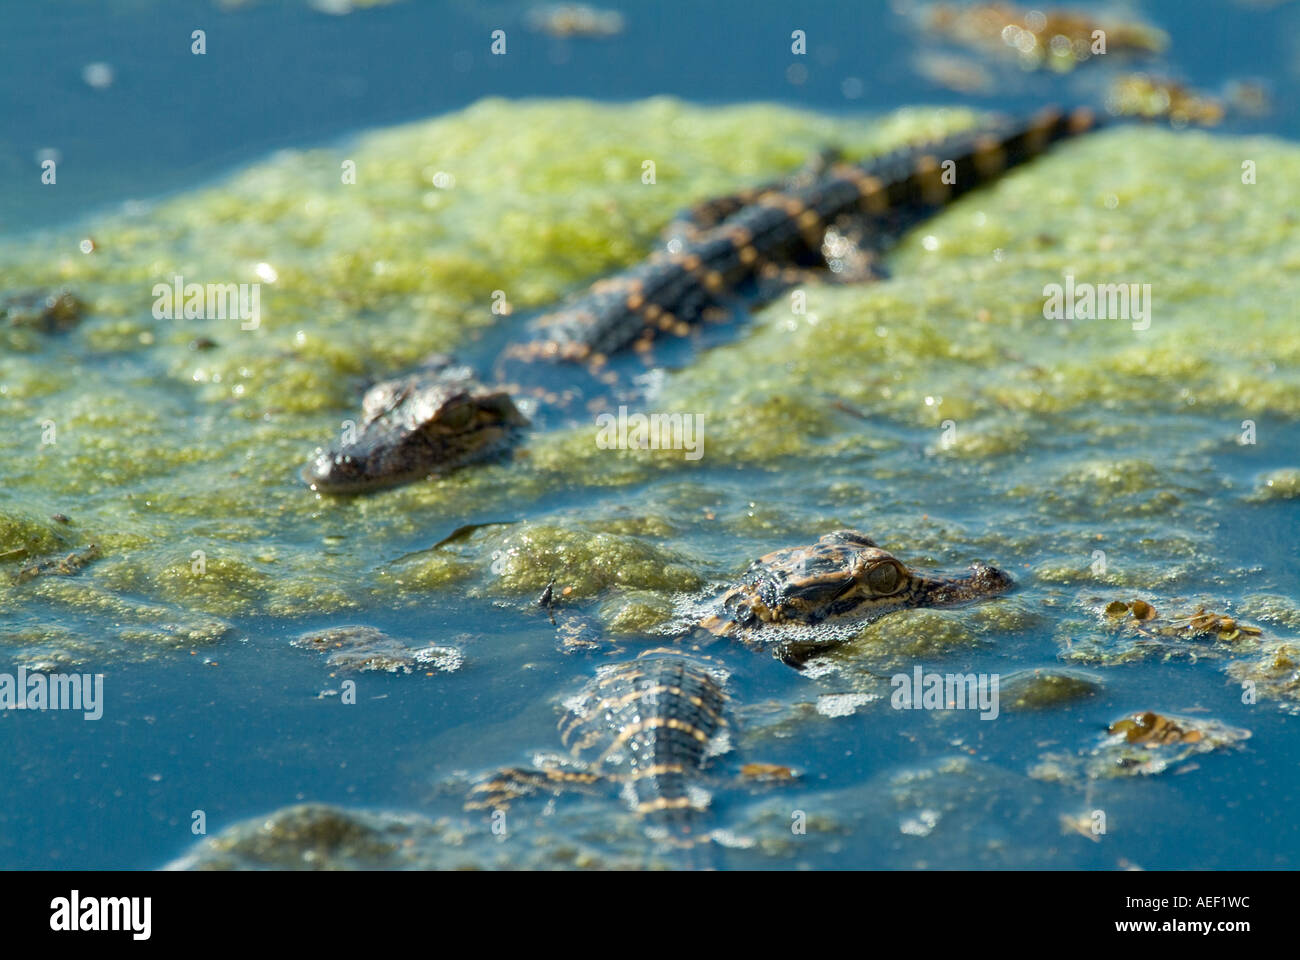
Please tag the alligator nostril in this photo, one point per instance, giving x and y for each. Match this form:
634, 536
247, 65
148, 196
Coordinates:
321, 470
992, 577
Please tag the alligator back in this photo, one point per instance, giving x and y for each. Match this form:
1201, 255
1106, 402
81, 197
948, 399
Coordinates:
887, 194
651, 724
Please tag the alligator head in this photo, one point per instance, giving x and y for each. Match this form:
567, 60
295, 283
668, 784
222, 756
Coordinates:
427, 422
842, 580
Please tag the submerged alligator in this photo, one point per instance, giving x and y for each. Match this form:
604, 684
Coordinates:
650, 726
827, 223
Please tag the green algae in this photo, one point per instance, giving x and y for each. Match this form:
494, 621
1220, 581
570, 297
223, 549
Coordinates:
908, 637
1046, 688
636, 612
163, 449
25, 534
1271, 608
1274, 675
1277, 485
360, 648
319, 836
583, 564
1143, 744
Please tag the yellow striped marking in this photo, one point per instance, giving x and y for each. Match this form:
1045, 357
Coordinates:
1082, 120
930, 180
597, 711
990, 157
628, 675
657, 770
782, 201
1036, 136
873, 196
663, 803
654, 723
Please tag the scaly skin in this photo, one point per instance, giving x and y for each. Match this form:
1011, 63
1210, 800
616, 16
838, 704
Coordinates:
765, 238
648, 726
651, 725
842, 579
431, 421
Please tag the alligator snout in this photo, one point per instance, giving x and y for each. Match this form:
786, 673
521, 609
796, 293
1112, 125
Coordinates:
331, 470
982, 580
429, 422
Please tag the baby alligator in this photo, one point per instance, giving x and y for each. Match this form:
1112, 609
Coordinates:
743, 247
798, 601
651, 725
648, 726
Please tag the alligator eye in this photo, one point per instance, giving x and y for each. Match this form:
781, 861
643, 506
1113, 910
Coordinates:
457, 417
884, 577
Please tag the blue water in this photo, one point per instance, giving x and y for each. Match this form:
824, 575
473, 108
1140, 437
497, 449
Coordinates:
250, 734
277, 74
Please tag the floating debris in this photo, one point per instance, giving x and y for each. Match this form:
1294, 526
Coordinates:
575, 20
355, 648
1158, 98
1249, 98
59, 565
1142, 744
1198, 625
920, 825
953, 72
1040, 39
1081, 823
1152, 728
49, 311
843, 704
768, 772
1140, 609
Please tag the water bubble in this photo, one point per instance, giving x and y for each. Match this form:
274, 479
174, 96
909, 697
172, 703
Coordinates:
97, 75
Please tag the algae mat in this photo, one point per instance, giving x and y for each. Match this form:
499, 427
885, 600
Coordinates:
940, 410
